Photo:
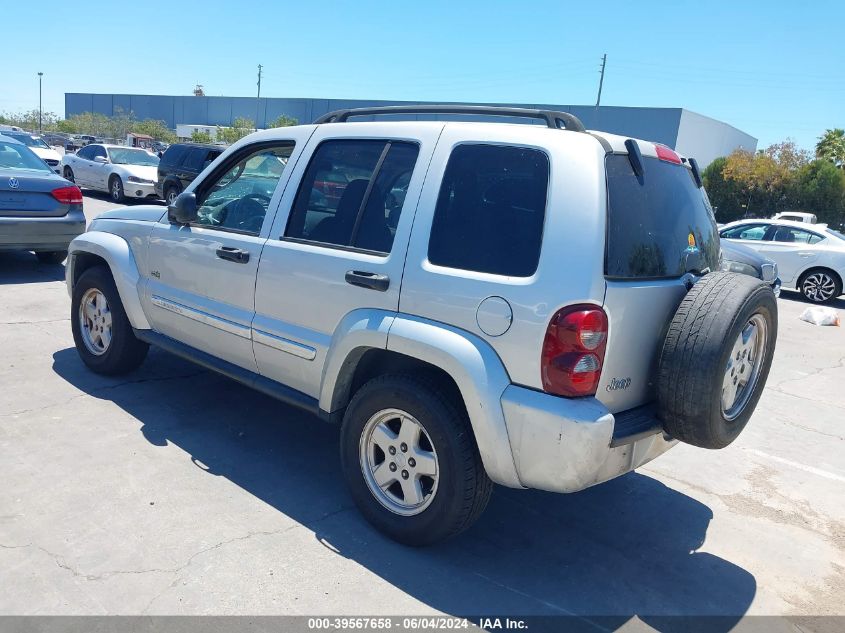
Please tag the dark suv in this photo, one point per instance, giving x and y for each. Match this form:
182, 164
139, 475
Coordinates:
180, 164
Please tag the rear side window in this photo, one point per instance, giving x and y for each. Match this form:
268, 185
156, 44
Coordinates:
352, 194
490, 211
658, 226
173, 155
195, 159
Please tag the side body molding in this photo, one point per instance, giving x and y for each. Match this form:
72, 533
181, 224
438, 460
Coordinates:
480, 376
117, 254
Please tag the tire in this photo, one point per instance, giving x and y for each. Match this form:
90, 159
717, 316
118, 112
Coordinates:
124, 352
698, 367
462, 487
51, 257
68, 174
116, 192
820, 285
171, 191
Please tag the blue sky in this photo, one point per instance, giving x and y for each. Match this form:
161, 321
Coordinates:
773, 69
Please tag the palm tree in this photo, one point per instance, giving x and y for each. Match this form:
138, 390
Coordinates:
831, 146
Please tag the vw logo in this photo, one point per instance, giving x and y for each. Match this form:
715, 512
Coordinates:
13, 183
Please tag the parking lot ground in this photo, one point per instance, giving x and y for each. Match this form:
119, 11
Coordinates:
176, 491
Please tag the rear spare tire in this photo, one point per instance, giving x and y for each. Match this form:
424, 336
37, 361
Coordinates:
716, 358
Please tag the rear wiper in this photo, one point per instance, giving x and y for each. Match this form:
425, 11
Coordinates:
635, 157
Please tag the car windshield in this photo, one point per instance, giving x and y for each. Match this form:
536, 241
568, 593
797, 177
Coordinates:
834, 233
17, 156
127, 156
29, 140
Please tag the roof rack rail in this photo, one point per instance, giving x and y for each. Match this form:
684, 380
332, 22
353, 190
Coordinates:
553, 118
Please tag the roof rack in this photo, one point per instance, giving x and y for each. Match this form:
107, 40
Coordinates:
554, 119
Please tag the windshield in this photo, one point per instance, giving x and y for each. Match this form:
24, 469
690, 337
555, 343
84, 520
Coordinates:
658, 226
128, 156
29, 140
16, 156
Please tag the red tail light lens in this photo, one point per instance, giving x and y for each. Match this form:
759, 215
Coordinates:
664, 153
68, 195
573, 351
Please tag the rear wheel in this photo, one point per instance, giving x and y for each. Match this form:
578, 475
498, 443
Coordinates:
716, 358
101, 331
51, 257
820, 285
69, 174
116, 189
171, 193
410, 460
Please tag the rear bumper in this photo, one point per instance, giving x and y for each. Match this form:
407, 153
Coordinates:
565, 445
44, 234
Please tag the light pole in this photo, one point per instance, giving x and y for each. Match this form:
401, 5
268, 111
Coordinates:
39, 101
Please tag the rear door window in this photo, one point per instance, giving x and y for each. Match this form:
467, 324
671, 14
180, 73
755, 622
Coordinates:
491, 209
789, 234
659, 226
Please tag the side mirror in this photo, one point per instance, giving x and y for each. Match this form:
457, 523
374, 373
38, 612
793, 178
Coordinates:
101, 159
183, 210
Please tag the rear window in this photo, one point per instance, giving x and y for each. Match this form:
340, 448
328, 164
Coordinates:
658, 226
490, 211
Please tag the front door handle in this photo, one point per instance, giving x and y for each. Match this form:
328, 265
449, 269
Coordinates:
368, 280
229, 253
805, 254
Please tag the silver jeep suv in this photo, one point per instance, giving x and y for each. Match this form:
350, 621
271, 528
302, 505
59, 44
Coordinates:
538, 306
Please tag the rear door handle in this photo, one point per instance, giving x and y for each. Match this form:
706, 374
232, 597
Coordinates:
365, 279
229, 253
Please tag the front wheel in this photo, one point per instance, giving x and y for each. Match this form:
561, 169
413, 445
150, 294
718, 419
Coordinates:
820, 286
101, 331
116, 189
411, 462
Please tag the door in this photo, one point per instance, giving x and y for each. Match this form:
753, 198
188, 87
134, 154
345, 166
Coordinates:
202, 278
98, 173
338, 243
82, 164
792, 248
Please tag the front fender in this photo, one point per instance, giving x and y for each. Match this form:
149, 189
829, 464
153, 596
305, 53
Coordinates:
117, 254
481, 379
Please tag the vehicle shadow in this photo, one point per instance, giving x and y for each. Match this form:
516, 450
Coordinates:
797, 297
129, 202
22, 267
628, 546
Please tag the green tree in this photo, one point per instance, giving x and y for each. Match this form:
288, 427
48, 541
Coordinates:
157, 129
725, 195
831, 146
28, 120
820, 189
240, 128
198, 136
283, 120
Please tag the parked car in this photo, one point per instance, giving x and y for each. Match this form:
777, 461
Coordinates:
86, 139
123, 172
482, 302
737, 258
796, 216
180, 164
810, 257
56, 139
39, 148
39, 210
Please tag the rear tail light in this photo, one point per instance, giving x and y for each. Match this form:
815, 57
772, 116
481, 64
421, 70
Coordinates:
573, 351
68, 195
664, 153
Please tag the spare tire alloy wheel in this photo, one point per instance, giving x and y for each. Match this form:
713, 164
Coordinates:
743, 368
398, 462
716, 358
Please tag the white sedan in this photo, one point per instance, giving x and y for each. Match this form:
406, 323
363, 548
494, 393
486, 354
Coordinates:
39, 147
810, 257
121, 171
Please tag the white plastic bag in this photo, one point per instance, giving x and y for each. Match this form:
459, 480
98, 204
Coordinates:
820, 316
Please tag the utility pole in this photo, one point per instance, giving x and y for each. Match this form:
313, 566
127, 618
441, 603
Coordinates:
601, 81
39, 101
258, 98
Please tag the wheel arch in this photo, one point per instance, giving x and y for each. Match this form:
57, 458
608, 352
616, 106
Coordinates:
97, 248
462, 364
